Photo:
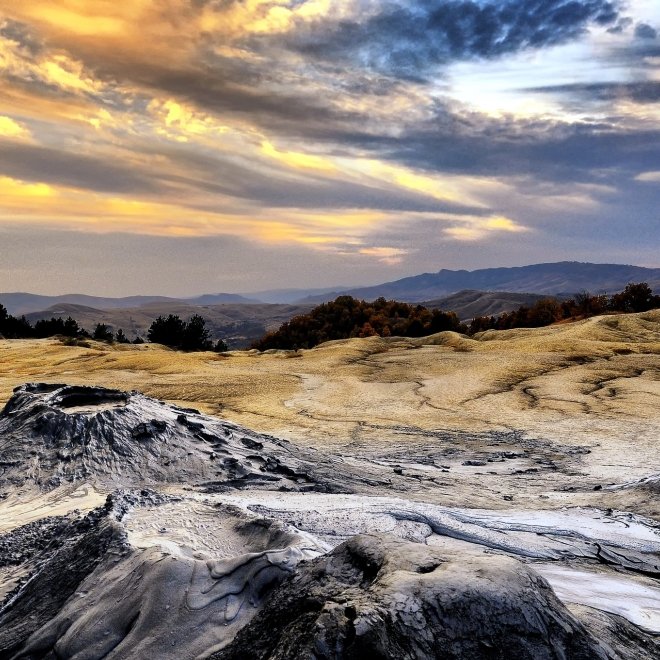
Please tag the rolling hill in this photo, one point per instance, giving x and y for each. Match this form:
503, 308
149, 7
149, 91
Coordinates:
18, 304
468, 304
237, 324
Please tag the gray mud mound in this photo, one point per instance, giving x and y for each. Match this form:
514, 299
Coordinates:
90, 593
55, 434
53, 556
380, 598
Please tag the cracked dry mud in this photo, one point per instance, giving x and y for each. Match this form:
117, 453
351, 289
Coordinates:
436, 498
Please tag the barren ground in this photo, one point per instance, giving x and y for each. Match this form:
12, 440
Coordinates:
575, 408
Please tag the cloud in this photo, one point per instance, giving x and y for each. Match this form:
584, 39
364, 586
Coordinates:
646, 91
649, 177
474, 229
407, 39
12, 129
53, 166
333, 126
387, 255
645, 31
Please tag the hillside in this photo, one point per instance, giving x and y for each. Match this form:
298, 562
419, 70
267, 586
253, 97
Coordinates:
469, 303
443, 474
237, 324
566, 277
18, 304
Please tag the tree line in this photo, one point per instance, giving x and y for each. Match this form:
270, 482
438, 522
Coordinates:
348, 317
634, 298
344, 318
172, 331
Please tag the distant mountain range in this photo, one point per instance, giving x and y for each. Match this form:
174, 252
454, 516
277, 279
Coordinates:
563, 278
288, 296
469, 293
26, 303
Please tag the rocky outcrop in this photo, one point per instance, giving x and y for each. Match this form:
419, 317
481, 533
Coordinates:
378, 597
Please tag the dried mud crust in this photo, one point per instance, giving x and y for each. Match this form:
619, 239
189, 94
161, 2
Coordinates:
236, 538
57, 554
374, 597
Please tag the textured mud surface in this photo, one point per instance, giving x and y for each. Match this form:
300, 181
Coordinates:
131, 528
527, 418
52, 435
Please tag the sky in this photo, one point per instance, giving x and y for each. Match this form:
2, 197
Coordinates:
184, 146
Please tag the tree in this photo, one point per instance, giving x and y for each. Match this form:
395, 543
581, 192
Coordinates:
175, 333
13, 328
347, 317
57, 326
220, 346
70, 328
635, 298
102, 333
195, 336
121, 337
166, 330
544, 312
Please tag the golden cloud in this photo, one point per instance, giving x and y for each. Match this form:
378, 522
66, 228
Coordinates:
13, 129
475, 228
387, 255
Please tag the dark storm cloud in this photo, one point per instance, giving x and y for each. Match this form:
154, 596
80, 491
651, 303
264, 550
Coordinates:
407, 39
54, 166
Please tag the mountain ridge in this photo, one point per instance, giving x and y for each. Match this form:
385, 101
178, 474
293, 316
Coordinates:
557, 278
19, 303
553, 278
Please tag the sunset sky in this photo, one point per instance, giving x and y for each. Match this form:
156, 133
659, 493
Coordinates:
188, 146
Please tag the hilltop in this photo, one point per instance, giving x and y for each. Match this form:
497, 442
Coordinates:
469, 303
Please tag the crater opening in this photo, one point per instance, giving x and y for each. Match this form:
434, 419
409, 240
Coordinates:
90, 400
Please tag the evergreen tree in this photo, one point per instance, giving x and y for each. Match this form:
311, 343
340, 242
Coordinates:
187, 336
102, 333
167, 331
195, 335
